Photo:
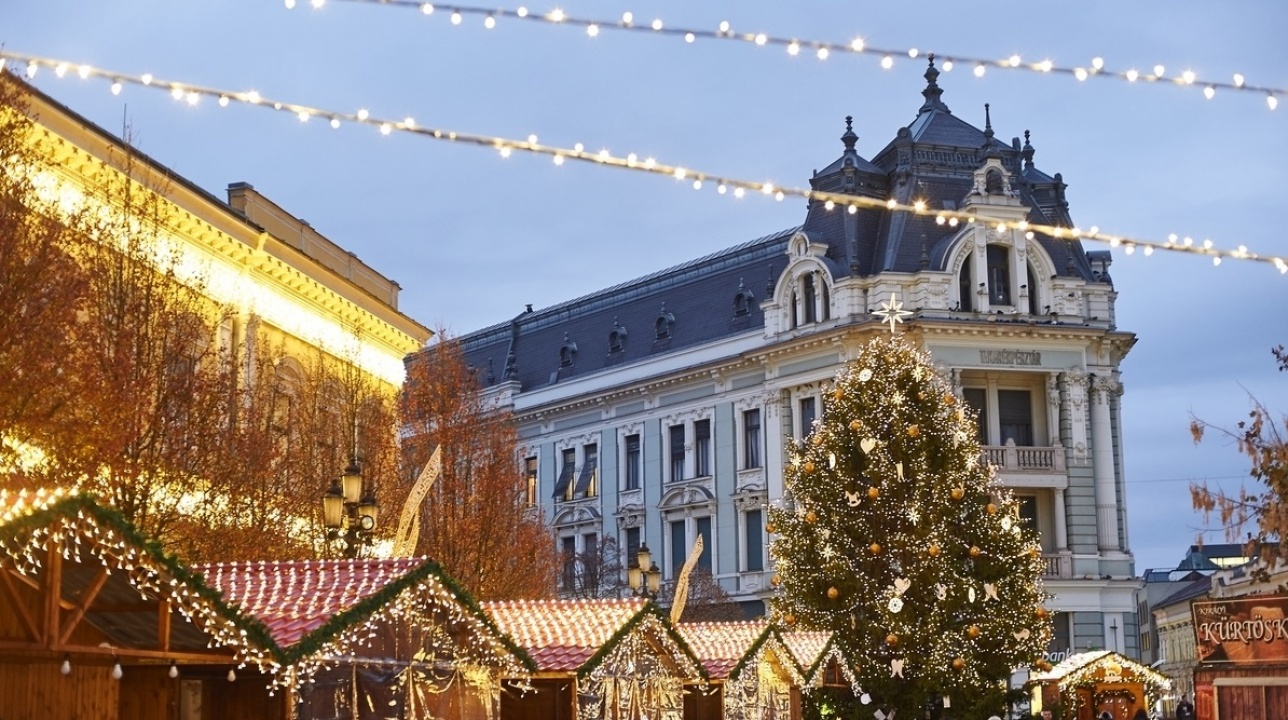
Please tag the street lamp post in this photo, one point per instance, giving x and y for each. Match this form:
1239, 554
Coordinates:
348, 512
644, 583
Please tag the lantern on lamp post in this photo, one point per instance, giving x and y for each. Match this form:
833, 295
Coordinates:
643, 575
349, 513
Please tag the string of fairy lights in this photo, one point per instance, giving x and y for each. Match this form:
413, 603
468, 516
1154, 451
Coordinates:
1095, 67
191, 94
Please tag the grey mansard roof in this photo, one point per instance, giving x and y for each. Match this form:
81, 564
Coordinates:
933, 158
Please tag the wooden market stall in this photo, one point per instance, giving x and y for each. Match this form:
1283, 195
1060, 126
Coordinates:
1087, 684
753, 676
1241, 644
600, 659
375, 637
96, 621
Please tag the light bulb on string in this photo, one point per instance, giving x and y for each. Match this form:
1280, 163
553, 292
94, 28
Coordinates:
1132, 75
456, 18
887, 62
592, 30
979, 70
1272, 102
117, 672
66, 667
173, 672
304, 112
489, 22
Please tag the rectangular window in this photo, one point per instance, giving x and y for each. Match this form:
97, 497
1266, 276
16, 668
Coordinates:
588, 481
679, 550
1015, 417
1027, 510
677, 452
568, 553
632, 548
754, 533
702, 448
530, 471
590, 561
808, 414
977, 399
703, 527
632, 462
564, 486
751, 439
1061, 639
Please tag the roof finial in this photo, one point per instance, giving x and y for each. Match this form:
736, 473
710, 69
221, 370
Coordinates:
988, 123
1027, 152
849, 138
932, 93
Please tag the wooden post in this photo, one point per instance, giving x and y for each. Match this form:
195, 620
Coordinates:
53, 592
163, 625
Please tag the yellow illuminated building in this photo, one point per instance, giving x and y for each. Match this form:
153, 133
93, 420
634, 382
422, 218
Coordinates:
282, 280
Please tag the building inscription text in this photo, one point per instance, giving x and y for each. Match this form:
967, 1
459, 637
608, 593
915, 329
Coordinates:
1010, 357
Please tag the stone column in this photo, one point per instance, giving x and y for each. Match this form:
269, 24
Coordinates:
1053, 409
1061, 524
1075, 388
1103, 388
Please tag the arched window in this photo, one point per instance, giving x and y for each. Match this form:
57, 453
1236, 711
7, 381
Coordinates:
567, 353
1033, 291
811, 314
742, 301
616, 338
664, 324
993, 182
999, 275
966, 286
795, 311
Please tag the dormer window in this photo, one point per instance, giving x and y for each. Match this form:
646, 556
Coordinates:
743, 301
567, 353
616, 338
994, 184
664, 324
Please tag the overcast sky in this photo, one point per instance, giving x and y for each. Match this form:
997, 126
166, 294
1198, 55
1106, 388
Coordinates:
472, 237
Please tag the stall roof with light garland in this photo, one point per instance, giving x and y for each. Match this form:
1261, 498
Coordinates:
575, 636
309, 607
118, 592
726, 649
1082, 667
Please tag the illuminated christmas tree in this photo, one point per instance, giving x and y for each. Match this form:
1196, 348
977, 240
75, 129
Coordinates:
894, 535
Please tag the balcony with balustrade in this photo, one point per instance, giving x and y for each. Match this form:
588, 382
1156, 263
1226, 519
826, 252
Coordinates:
1018, 459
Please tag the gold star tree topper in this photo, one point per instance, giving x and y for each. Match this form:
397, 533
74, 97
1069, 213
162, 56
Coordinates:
891, 311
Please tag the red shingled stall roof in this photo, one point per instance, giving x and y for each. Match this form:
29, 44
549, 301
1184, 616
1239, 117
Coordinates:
295, 598
806, 647
722, 645
561, 635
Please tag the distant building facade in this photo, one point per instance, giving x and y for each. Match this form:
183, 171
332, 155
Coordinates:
662, 410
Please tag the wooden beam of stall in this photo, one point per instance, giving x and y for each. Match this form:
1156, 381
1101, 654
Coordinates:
87, 599
20, 607
27, 649
53, 591
163, 625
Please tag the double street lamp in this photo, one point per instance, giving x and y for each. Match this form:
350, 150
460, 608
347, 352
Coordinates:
643, 575
348, 512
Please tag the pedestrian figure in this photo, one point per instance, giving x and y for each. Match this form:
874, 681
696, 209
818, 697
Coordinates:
1184, 710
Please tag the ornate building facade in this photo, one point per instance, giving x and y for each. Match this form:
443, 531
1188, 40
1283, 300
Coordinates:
662, 410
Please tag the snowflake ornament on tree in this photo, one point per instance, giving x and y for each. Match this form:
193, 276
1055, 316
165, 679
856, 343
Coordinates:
931, 589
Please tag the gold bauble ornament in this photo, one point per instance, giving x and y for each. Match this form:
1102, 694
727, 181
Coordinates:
873, 493
958, 493
974, 551
914, 431
771, 528
809, 466
892, 639
775, 581
838, 393
1041, 613
874, 548
811, 517
950, 399
972, 632
817, 440
959, 664
991, 508
789, 619
855, 425
833, 593
933, 551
